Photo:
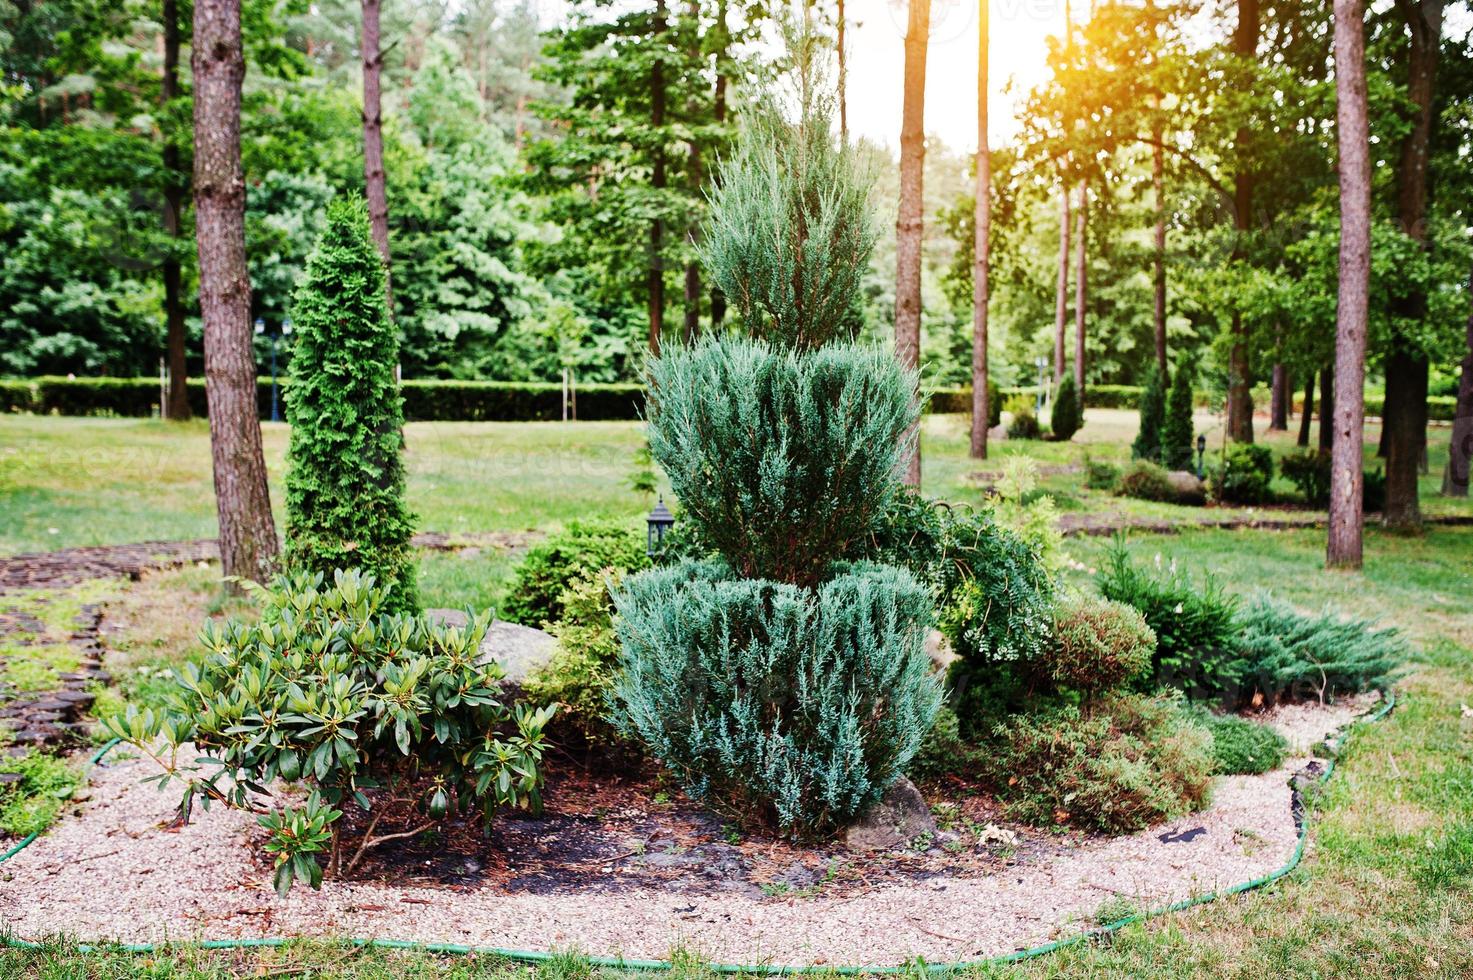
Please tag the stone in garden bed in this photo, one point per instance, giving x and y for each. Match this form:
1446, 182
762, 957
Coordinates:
520, 650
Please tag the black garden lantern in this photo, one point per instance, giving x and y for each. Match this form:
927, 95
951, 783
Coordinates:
1201, 457
659, 521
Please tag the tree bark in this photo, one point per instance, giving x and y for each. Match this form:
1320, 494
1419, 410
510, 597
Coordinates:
1158, 187
248, 545
656, 275
908, 225
981, 250
1344, 547
1404, 413
1081, 288
1061, 288
1240, 381
373, 141
1455, 477
175, 189
1327, 407
1306, 413
844, 78
718, 298
1278, 415
692, 297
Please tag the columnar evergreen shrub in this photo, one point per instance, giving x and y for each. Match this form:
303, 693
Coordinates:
778, 681
789, 218
1147, 443
1067, 415
345, 471
795, 461
796, 705
327, 690
1178, 432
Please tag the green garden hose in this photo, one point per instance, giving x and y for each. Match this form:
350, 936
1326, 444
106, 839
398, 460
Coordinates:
758, 969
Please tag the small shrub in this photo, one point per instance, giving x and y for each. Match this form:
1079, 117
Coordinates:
1283, 652
1098, 644
345, 469
1152, 407
781, 704
580, 676
1244, 475
943, 752
580, 550
1099, 475
794, 464
1194, 624
1309, 470
1067, 414
1243, 747
1022, 421
1144, 480
325, 690
1130, 762
1178, 431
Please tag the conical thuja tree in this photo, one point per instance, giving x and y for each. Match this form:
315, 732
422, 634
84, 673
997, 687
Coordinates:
1147, 443
779, 681
1178, 429
345, 467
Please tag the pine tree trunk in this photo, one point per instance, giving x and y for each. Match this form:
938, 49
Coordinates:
1278, 416
981, 251
1159, 310
248, 545
1061, 288
373, 141
656, 275
1081, 289
843, 82
1460, 451
908, 226
1405, 411
1344, 549
175, 189
1240, 381
1306, 413
718, 298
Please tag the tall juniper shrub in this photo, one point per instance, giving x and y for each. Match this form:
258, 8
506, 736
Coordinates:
345, 472
775, 680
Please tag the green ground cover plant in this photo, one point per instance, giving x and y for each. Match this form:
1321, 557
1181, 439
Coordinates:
1241, 746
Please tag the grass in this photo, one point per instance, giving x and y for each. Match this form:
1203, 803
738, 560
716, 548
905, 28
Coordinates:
466, 477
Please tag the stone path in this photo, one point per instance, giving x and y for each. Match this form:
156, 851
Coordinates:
55, 718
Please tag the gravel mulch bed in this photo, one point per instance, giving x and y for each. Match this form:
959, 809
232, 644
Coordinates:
112, 871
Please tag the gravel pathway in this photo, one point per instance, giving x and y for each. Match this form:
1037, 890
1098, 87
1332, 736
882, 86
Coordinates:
110, 872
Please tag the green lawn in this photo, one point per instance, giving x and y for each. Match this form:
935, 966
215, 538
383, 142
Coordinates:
465, 476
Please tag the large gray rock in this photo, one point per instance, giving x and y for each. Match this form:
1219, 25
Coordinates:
521, 650
1189, 489
898, 818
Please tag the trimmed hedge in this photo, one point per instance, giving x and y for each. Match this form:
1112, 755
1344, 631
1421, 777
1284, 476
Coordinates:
502, 401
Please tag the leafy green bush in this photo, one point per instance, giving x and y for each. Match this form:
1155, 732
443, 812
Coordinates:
1152, 408
1194, 624
1244, 475
1098, 644
1282, 652
1067, 414
793, 705
580, 676
1309, 470
1144, 480
325, 690
1128, 763
1178, 431
1100, 475
345, 468
795, 462
1243, 747
1022, 422
550, 568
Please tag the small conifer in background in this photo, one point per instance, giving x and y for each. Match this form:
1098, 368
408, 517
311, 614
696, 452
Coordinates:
1177, 432
1067, 414
1147, 443
345, 468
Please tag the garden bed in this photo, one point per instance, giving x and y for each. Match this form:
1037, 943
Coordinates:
614, 867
